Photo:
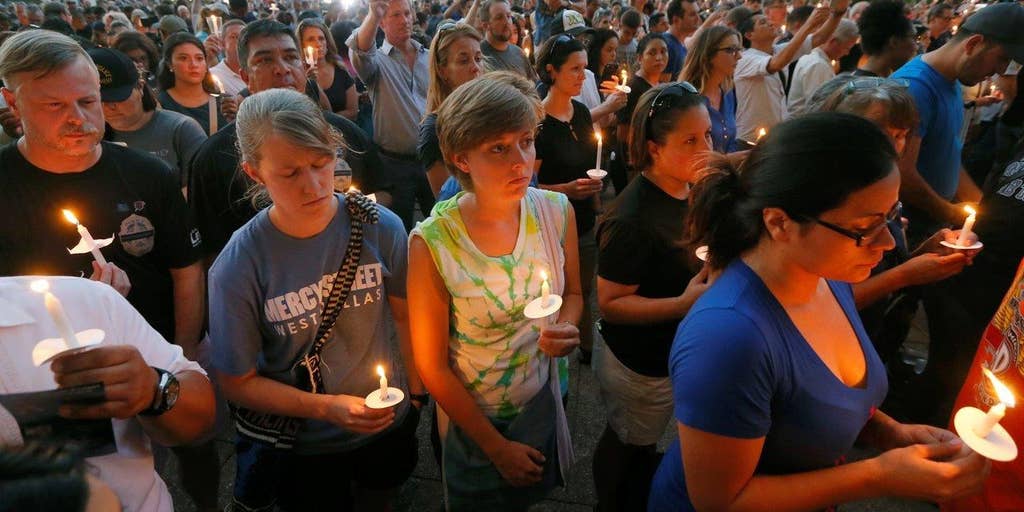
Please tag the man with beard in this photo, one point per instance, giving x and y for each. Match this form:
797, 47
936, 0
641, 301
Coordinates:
269, 56
497, 18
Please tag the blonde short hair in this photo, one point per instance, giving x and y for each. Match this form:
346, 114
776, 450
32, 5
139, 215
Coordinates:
289, 114
483, 109
39, 52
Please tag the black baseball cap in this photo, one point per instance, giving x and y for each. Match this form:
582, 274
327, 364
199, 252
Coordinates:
1002, 23
118, 74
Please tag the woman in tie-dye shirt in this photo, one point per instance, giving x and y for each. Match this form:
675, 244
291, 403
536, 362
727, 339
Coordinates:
474, 266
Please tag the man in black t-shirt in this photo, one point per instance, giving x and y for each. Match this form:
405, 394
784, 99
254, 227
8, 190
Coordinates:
270, 58
60, 164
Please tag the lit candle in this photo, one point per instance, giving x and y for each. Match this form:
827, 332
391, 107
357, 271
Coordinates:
383, 383
622, 87
311, 56
993, 90
87, 237
212, 105
996, 413
56, 311
526, 51
760, 133
599, 144
954, 29
545, 289
820, 5
214, 23
783, 28
964, 239
833, 62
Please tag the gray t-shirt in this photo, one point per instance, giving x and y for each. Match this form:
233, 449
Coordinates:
265, 305
512, 59
169, 136
625, 55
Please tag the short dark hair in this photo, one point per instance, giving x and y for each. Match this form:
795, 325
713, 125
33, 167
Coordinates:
801, 14
674, 10
631, 18
880, 22
783, 171
129, 41
656, 18
938, 9
235, 5
257, 29
42, 477
54, 9
556, 51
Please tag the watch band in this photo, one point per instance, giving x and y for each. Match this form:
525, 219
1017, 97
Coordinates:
165, 393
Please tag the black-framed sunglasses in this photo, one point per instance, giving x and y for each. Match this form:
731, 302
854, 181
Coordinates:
868, 234
667, 95
873, 82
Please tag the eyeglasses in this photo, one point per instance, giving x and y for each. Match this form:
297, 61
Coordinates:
667, 95
731, 50
874, 82
868, 234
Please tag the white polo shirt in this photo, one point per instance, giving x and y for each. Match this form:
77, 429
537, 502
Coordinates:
812, 70
760, 97
89, 305
231, 82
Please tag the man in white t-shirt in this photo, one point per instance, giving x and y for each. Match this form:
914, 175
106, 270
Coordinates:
818, 67
759, 75
152, 393
226, 71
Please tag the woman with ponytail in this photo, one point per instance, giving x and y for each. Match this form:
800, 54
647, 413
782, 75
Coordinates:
773, 376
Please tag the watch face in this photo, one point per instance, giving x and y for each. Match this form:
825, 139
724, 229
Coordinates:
171, 394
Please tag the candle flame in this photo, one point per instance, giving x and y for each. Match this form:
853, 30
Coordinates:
310, 53
353, 189
761, 133
624, 76
833, 63
598, 136
526, 51
70, 217
40, 286
380, 370
783, 28
1004, 393
216, 83
543, 275
969, 210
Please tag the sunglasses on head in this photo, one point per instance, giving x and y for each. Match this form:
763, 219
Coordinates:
668, 95
874, 82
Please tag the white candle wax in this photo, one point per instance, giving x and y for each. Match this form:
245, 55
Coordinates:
213, 114
96, 254
383, 383
964, 239
56, 311
992, 418
599, 147
545, 289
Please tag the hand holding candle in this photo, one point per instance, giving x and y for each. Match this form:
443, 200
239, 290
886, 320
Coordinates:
981, 430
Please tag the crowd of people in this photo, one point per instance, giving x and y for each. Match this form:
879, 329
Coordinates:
742, 208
